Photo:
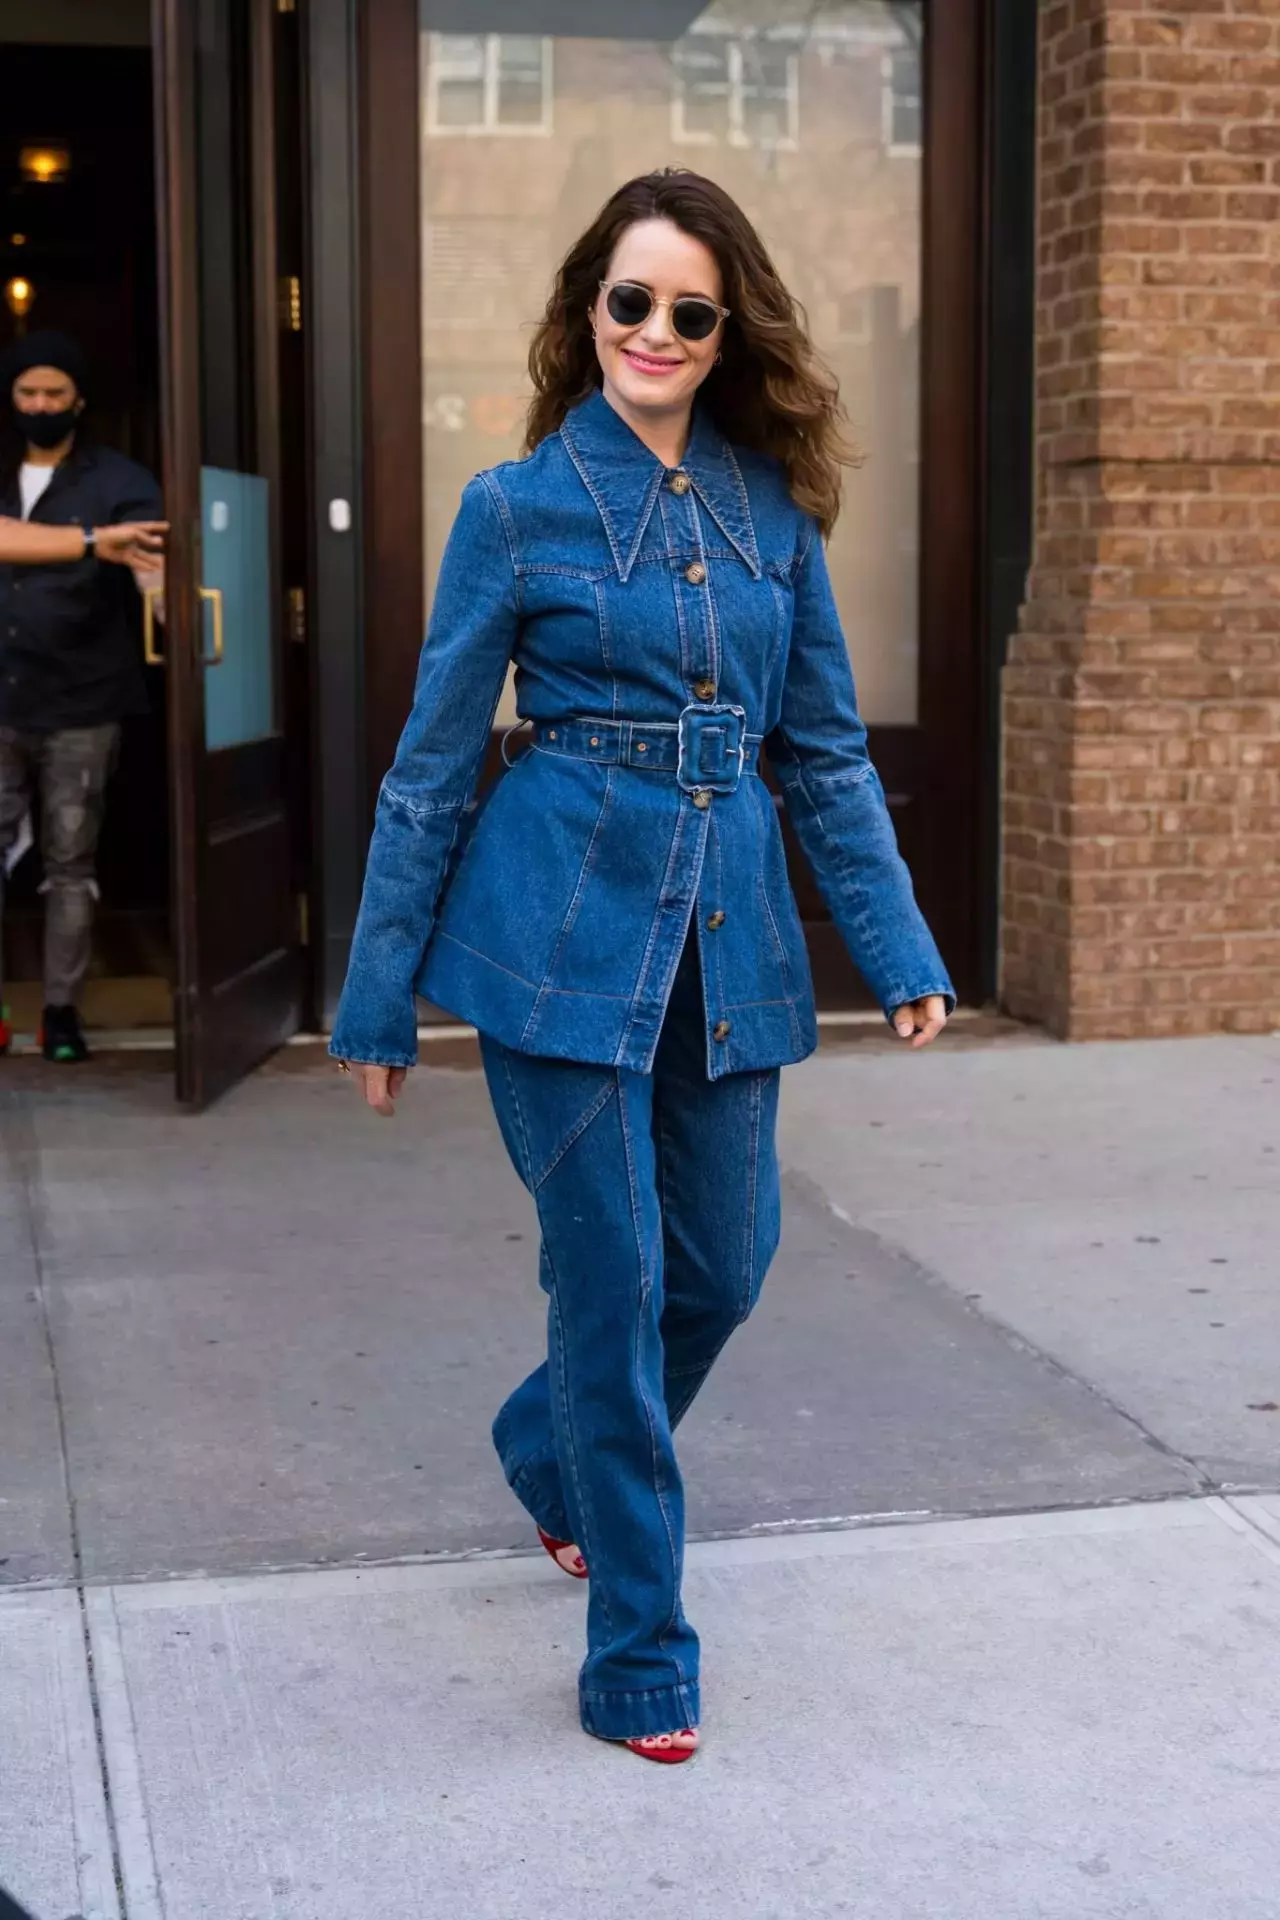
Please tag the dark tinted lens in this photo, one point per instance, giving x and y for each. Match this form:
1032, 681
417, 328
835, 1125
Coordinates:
694, 319
629, 305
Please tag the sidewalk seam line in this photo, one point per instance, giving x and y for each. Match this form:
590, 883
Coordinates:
224, 1590
1260, 1537
134, 1835
26, 1156
922, 1521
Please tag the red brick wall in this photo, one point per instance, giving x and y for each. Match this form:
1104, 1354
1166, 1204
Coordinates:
1141, 858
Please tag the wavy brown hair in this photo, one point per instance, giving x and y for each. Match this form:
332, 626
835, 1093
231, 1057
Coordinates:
770, 392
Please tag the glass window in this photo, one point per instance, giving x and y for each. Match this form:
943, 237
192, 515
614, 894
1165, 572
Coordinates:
700, 86
488, 83
458, 75
743, 90
235, 593
903, 103
521, 99
766, 103
808, 112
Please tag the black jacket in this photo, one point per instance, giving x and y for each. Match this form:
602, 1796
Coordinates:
69, 633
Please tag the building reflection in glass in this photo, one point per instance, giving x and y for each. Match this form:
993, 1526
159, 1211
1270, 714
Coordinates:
809, 114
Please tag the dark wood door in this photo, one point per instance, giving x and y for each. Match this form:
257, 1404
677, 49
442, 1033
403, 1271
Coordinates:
857, 145
923, 401
237, 933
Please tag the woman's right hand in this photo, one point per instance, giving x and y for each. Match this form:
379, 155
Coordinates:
379, 1086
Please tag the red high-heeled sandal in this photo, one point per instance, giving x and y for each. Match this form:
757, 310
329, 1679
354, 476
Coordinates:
575, 1568
649, 1747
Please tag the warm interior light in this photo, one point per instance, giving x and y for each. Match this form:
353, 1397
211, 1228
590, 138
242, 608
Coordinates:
17, 239
19, 294
44, 164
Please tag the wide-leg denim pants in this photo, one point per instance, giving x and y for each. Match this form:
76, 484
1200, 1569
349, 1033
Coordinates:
658, 1202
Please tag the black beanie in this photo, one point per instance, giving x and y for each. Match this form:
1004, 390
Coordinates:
46, 349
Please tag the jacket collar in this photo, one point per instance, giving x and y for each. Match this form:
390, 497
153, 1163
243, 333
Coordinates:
624, 478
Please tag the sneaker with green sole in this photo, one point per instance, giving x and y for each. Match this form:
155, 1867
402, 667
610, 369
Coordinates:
62, 1037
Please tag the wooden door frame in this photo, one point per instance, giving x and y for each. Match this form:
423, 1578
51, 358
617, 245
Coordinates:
952, 517
283, 329
180, 457
946, 757
389, 52
241, 789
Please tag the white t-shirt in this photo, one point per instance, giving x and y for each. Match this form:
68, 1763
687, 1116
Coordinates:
32, 482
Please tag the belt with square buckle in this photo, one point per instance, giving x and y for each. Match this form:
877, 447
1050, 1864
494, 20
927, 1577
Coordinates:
708, 749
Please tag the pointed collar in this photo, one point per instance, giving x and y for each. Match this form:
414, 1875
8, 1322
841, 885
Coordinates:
623, 478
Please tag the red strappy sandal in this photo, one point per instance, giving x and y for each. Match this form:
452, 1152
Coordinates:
574, 1564
650, 1748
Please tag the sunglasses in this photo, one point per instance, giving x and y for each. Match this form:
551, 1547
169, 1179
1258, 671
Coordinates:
693, 318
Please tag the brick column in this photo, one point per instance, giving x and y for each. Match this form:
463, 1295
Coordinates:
1141, 808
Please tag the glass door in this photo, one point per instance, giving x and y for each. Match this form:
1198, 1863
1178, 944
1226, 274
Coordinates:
810, 115
852, 133
237, 935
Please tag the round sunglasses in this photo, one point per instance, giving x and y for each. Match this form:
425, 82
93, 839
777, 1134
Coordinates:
692, 317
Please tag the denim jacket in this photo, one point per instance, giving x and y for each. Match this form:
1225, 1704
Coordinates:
664, 623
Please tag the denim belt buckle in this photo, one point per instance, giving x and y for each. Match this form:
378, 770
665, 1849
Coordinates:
713, 749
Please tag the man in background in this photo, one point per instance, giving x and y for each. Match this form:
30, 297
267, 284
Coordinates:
75, 519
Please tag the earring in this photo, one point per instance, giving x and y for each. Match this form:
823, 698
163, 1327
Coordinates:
716, 362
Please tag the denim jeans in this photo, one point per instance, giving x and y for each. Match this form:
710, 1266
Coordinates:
658, 1201
71, 767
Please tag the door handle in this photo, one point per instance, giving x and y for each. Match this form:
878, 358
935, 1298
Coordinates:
150, 651
214, 596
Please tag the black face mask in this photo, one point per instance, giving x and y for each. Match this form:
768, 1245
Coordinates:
46, 430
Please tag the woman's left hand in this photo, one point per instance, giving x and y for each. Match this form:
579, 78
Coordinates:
921, 1021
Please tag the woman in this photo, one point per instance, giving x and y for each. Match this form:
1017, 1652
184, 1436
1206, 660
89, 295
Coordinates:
618, 924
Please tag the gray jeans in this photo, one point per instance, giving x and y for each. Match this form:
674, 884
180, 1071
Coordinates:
70, 767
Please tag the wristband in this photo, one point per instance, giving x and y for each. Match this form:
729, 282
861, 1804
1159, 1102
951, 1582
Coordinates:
90, 541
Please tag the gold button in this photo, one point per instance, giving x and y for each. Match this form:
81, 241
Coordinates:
680, 483
642, 746
715, 921
552, 734
702, 799
595, 740
705, 689
721, 1030
695, 574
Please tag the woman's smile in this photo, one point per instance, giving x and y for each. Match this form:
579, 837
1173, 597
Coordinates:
652, 363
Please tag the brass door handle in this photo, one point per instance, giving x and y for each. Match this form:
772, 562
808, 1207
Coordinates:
214, 596
150, 651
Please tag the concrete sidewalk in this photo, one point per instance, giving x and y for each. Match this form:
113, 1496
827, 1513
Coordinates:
989, 1494
1062, 1715
1117, 1207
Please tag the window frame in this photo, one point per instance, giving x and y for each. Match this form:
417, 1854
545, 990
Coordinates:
490, 125
735, 94
899, 149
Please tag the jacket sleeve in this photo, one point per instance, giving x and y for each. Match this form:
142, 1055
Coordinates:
836, 803
135, 495
470, 639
